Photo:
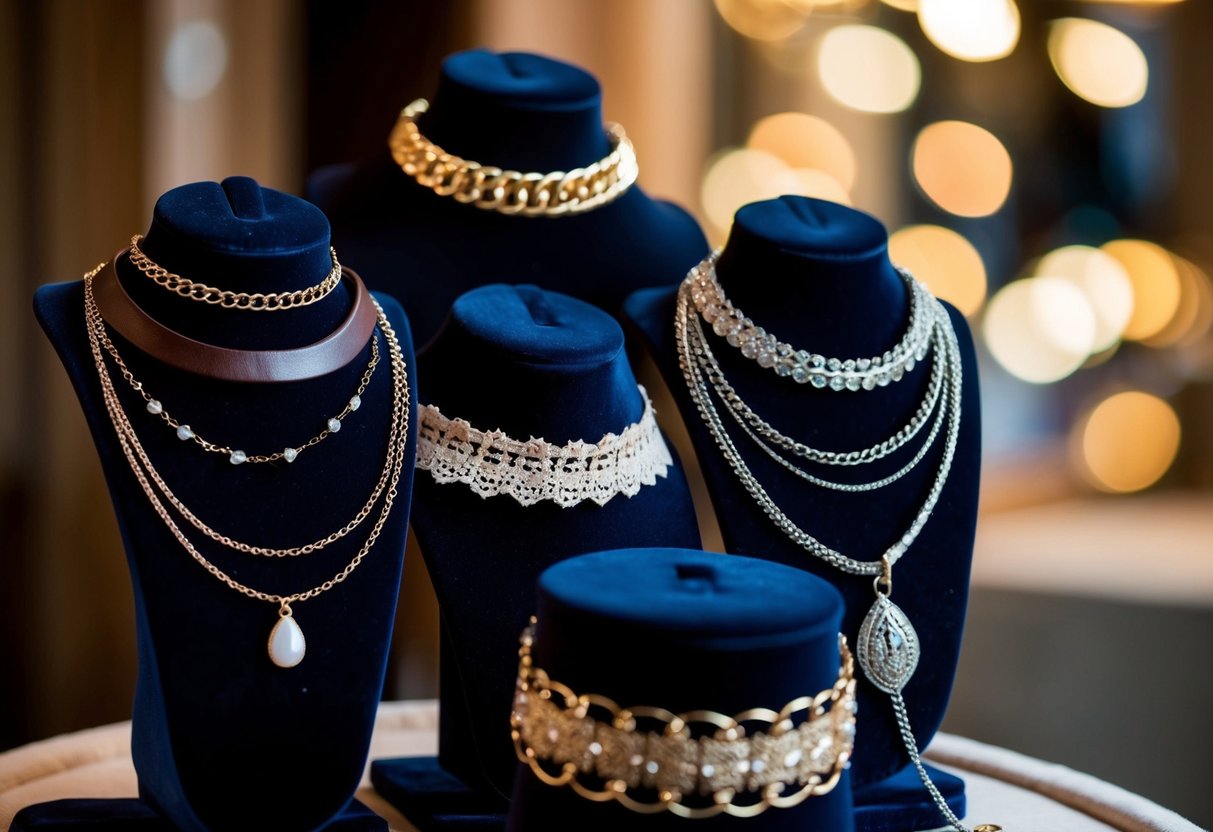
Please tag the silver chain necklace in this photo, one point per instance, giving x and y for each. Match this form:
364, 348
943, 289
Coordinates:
887, 647
762, 432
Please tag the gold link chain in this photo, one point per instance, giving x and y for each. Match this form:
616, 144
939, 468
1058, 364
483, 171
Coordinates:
250, 301
554, 194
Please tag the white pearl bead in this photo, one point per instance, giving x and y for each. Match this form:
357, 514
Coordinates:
289, 454
355, 402
184, 432
287, 645
334, 425
238, 457
154, 407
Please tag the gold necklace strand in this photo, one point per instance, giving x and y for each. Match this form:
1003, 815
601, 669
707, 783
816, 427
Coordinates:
286, 645
96, 329
552, 724
141, 462
252, 302
553, 194
235, 455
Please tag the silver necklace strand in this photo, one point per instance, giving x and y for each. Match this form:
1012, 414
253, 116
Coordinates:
888, 648
699, 393
742, 414
803, 366
736, 404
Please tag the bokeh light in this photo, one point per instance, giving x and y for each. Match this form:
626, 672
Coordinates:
962, 168
1128, 441
945, 261
1040, 329
805, 141
972, 30
1156, 287
1104, 281
195, 60
1098, 62
1202, 322
1191, 313
868, 69
764, 19
737, 177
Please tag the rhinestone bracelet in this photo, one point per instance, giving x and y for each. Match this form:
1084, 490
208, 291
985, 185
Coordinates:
694, 764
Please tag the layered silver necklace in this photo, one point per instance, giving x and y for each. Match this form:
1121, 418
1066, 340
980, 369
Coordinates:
887, 647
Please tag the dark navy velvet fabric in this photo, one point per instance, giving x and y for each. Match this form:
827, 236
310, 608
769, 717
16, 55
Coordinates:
222, 738
683, 630
531, 363
817, 275
133, 815
514, 111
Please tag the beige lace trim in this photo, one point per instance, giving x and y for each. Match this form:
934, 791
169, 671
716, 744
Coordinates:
491, 463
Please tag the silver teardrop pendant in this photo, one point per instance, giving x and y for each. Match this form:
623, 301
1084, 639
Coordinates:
887, 648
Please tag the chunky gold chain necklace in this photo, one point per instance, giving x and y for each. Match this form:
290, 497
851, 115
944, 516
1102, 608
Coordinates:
286, 644
553, 194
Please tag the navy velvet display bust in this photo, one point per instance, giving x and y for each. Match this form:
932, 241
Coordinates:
817, 275
515, 111
223, 738
683, 630
530, 363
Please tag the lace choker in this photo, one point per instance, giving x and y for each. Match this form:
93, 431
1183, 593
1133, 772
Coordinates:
530, 471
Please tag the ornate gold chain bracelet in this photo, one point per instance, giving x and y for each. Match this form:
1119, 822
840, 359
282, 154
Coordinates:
553, 194
599, 749
251, 301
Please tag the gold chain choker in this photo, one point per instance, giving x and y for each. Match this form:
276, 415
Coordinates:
555, 194
250, 301
599, 750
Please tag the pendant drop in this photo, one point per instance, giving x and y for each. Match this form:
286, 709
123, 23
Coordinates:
286, 644
887, 647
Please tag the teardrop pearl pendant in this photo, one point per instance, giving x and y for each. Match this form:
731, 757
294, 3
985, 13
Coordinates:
287, 645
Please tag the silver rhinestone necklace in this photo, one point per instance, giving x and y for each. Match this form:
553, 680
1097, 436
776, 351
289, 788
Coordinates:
888, 647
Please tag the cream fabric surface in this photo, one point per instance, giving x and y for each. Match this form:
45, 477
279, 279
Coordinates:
1019, 793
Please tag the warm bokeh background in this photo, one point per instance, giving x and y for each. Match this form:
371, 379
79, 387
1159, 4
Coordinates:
1044, 165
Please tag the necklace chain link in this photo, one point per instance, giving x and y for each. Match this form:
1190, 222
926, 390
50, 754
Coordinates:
150, 481
250, 301
553, 194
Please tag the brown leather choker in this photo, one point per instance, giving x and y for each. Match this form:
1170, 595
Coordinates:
327, 355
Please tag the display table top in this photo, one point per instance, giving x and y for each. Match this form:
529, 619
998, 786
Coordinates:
1019, 793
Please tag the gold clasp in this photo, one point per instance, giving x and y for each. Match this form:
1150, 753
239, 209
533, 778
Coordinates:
885, 577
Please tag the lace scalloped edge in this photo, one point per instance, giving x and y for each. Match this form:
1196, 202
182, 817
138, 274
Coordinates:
491, 463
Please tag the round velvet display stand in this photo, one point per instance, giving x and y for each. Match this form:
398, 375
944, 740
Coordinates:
817, 275
683, 630
222, 737
514, 111
530, 363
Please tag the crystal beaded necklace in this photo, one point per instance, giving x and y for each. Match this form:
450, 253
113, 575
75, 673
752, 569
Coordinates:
887, 647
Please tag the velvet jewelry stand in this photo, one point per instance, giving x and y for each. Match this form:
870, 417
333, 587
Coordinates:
683, 630
515, 111
530, 363
817, 275
223, 739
